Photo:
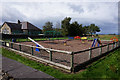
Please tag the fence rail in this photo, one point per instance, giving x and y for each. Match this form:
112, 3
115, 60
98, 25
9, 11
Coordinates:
93, 48
73, 55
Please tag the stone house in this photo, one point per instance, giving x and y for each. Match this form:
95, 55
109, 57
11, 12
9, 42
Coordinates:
20, 28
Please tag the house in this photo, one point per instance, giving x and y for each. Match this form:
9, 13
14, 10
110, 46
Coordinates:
20, 28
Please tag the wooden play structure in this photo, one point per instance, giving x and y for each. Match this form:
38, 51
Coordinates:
37, 44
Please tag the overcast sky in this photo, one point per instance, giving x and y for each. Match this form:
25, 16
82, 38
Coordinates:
104, 14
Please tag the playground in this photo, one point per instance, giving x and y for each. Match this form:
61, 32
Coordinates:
70, 45
73, 45
67, 53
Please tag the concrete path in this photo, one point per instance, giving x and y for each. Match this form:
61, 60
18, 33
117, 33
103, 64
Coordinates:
18, 70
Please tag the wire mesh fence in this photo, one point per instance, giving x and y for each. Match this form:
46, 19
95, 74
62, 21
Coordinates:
81, 57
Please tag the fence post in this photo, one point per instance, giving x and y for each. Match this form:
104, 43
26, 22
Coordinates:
112, 45
119, 43
115, 45
100, 50
50, 56
32, 50
20, 47
5, 44
72, 62
107, 47
2, 43
11, 45
90, 53
26, 39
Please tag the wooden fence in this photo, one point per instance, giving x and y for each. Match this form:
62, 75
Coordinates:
74, 56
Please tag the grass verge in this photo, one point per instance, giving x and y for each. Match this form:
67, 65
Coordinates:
37, 39
102, 37
109, 67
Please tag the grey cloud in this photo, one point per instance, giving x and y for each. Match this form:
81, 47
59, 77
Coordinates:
40, 23
11, 14
75, 8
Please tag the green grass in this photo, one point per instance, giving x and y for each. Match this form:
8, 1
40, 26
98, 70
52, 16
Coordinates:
107, 37
37, 39
102, 37
108, 67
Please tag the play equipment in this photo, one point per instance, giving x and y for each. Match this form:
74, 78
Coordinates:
37, 44
77, 37
70, 37
83, 39
65, 42
37, 48
114, 39
13, 40
96, 41
7, 44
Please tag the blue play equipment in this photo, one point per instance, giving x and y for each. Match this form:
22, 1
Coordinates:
94, 42
38, 45
37, 48
71, 37
13, 40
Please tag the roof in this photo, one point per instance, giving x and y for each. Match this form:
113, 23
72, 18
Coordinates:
22, 25
29, 26
14, 25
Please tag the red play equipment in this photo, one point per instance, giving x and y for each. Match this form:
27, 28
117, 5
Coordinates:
114, 39
77, 37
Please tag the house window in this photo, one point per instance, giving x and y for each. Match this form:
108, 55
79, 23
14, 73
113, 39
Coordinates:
5, 31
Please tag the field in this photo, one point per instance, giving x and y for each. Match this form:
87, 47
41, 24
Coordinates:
108, 37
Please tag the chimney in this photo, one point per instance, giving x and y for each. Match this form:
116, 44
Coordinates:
19, 22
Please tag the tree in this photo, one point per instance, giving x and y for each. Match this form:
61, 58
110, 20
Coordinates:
48, 26
93, 29
85, 30
75, 29
58, 25
65, 25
